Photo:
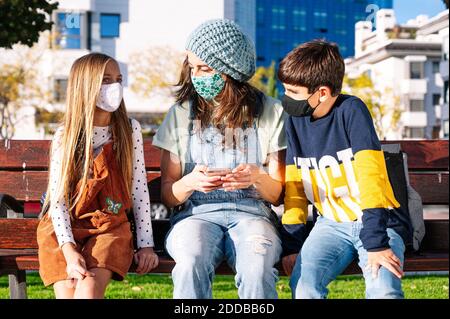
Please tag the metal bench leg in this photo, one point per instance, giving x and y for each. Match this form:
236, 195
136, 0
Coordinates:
18, 285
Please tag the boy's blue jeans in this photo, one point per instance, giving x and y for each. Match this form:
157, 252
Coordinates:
240, 231
329, 249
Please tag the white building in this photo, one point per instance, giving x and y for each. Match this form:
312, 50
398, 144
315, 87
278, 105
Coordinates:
121, 29
406, 59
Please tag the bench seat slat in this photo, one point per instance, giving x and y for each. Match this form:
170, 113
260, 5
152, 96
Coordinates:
425, 262
21, 234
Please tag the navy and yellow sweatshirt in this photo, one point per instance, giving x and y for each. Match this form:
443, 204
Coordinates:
336, 164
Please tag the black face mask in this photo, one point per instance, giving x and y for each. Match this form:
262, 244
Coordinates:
297, 107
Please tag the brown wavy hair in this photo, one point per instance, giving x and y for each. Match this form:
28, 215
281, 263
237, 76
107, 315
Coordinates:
239, 103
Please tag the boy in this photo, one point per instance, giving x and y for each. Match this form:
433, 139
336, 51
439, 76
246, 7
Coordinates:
334, 161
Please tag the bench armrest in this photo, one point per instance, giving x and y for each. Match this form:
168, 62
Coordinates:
9, 202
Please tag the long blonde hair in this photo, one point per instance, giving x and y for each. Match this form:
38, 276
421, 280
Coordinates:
83, 88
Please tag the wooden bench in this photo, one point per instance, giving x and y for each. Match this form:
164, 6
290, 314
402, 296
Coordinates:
23, 177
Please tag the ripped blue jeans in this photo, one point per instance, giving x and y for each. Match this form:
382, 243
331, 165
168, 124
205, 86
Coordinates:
241, 231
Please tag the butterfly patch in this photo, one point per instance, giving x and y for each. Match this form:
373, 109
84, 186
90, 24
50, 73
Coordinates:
112, 206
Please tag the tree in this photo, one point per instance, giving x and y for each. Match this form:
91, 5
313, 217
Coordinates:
383, 105
446, 3
265, 80
21, 21
155, 70
20, 86
11, 78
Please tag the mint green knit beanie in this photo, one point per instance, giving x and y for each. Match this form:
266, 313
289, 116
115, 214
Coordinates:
223, 46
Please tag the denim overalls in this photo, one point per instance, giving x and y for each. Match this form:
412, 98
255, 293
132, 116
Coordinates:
236, 225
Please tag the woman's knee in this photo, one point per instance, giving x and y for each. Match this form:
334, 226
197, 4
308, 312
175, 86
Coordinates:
190, 263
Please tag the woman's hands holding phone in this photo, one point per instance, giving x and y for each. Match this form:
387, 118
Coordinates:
206, 180
241, 177
202, 180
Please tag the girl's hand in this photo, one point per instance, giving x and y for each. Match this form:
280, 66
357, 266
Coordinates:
242, 177
76, 266
198, 181
146, 260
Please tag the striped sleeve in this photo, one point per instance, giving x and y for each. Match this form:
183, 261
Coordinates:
376, 194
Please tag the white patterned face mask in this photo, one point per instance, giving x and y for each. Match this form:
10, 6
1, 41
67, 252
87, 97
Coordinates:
110, 97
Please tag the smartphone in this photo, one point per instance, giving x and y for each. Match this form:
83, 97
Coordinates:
217, 171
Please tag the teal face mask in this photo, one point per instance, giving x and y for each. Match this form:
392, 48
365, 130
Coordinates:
208, 87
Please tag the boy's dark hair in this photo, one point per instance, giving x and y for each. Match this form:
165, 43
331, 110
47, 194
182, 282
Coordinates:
313, 64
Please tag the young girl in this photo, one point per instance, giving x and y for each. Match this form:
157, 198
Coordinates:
215, 142
97, 174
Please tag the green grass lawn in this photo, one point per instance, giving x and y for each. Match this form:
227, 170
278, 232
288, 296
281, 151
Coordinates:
160, 286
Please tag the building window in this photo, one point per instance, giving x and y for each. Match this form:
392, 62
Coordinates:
436, 99
359, 17
343, 50
278, 18
416, 70
320, 21
414, 132
446, 91
436, 132
109, 25
60, 88
260, 16
68, 30
446, 133
416, 106
445, 49
435, 66
299, 20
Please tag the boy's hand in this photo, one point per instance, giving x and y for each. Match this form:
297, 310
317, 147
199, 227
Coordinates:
385, 258
288, 263
146, 260
242, 177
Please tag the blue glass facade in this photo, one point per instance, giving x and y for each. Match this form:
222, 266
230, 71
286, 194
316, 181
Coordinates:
68, 31
281, 25
109, 25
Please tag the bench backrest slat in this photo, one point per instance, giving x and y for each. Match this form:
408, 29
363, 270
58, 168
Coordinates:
422, 154
34, 153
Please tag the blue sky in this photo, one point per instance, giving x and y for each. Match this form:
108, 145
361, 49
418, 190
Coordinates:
409, 9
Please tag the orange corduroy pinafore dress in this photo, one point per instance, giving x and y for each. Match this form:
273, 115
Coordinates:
100, 225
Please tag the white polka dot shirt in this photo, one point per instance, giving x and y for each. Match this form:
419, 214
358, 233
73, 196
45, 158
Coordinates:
140, 197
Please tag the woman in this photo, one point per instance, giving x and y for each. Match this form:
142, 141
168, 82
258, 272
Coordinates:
97, 174
215, 141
